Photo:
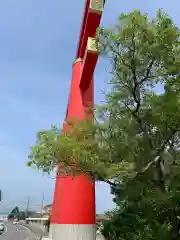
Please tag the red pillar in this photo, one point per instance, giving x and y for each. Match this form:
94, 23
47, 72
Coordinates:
73, 213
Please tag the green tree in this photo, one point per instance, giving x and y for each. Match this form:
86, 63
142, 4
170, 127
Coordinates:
14, 213
133, 144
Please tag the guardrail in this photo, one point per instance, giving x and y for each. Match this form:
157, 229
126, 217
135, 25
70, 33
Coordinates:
37, 219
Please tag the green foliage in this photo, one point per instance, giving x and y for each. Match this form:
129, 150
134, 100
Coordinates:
145, 212
14, 213
133, 143
15, 210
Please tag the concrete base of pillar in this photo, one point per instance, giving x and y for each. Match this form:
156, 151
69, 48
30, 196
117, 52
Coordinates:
73, 232
98, 237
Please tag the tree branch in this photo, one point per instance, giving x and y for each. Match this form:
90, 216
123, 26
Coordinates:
111, 183
147, 72
158, 152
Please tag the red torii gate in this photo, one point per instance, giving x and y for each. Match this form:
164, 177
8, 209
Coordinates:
73, 212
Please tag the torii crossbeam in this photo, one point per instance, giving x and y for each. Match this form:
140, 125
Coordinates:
73, 212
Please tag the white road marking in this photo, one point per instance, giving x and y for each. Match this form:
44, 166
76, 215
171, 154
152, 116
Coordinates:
5, 230
25, 228
33, 238
30, 237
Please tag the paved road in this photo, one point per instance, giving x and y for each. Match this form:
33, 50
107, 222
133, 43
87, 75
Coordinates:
35, 228
17, 232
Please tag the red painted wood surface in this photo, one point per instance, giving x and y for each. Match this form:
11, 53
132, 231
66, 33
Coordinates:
74, 199
90, 23
83, 27
88, 67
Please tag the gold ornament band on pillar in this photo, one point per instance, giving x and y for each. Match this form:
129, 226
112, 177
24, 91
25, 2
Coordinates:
92, 46
96, 6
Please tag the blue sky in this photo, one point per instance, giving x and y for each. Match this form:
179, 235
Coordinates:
38, 40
